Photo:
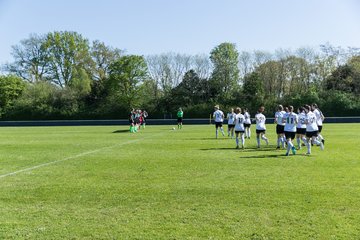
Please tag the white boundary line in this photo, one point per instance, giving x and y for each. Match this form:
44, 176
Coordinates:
71, 157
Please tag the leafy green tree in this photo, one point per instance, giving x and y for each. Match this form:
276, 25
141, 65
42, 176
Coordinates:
80, 82
11, 88
253, 91
103, 56
225, 76
148, 99
36, 102
346, 78
192, 90
67, 51
125, 76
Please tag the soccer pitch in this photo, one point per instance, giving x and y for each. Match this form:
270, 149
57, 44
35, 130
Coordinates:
105, 183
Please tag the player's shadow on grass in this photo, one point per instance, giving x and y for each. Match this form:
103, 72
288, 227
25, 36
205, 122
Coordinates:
251, 149
209, 138
121, 131
217, 149
265, 156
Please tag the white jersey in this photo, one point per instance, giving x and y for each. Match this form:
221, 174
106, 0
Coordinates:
311, 125
279, 117
239, 122
291, 121
231, 118
247, 118
301, 120
219, 116
319, 115
260, 121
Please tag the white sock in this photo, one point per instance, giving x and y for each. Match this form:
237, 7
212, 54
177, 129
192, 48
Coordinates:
308, 145
288, 149
222, 131
283, 141
242, 139
265, 139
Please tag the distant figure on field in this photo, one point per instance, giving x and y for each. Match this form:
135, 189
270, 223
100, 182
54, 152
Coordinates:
239, 128
231, 122
247, 123
260, 126
290, 119
219, 119
180, 115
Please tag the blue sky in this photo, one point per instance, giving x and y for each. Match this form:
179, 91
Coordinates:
185, 26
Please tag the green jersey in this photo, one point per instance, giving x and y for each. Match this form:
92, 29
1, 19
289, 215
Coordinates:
180, 114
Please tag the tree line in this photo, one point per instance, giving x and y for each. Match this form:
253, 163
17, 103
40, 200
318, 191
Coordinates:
62, 75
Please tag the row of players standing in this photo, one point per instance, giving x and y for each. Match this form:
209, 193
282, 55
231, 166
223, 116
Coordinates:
137, 118
306, 126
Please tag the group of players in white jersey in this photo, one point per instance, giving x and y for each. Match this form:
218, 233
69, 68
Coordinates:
305, 126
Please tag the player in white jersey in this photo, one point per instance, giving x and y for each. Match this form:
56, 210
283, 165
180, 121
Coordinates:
311, 129
260, 126
231, 122
219, 119
239, 128
290, 119
247, 123
319, 120
280, 126
301, 127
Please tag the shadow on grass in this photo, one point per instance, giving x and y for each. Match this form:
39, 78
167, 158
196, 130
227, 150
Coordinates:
209, 138
280, 155
266, 156
217, 149
253, 149
121, 131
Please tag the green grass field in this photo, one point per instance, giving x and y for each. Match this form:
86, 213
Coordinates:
105, 183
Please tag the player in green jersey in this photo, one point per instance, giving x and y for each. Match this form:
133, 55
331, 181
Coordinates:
180, 115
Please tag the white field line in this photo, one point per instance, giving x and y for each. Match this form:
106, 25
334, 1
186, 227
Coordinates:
69, 158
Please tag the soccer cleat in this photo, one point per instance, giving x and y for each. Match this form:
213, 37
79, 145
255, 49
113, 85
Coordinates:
237, 147
287, 154
323, 141
293, 150
278, 147
307, 153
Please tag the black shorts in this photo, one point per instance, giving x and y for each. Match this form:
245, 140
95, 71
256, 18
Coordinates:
290, 135
280, 129
301, 131
218, 124
247, 125
230, 126
180, 120
237, 131
260, 131
320, 128
312, 134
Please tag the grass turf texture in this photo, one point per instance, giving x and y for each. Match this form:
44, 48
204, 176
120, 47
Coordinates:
105, 183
